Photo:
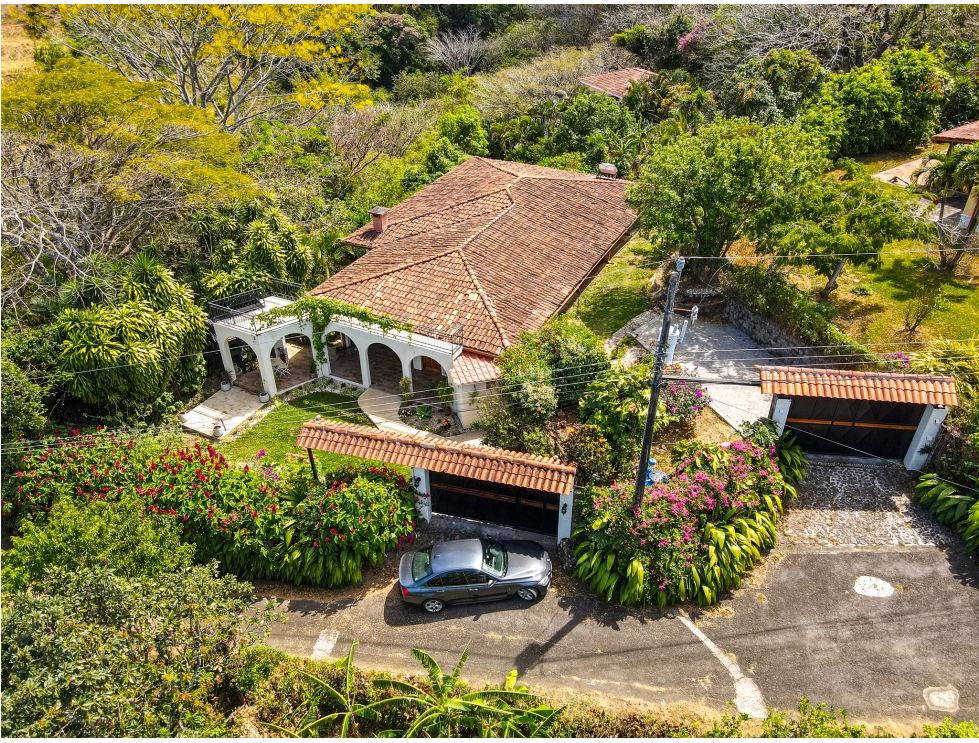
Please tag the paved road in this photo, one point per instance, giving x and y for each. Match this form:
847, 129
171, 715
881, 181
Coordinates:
801, 629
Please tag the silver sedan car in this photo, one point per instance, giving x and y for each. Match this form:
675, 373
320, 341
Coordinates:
473, 570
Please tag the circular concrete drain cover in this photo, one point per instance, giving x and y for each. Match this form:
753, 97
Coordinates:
942, 698
874, 587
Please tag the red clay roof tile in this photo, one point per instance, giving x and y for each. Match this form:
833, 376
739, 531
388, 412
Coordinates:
616, 83
439, 455
843, 384
964, 134
495, 246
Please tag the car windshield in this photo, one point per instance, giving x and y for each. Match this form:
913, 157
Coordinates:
494, 558
421, 564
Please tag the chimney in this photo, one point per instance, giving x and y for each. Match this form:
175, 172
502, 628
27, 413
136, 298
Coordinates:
607, 171
379, 217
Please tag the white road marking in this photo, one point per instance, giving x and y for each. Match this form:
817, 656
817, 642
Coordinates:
942, 698
324, 644
747, 696
867, 585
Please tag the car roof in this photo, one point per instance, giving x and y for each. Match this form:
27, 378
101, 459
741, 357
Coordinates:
459, 554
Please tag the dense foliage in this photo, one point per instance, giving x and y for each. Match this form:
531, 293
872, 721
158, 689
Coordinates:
258, 521
952, 505
693, 537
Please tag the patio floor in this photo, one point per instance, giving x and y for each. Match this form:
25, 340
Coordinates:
298, 372
221, 413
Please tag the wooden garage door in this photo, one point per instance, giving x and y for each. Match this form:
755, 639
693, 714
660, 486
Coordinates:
852, 427
522, 508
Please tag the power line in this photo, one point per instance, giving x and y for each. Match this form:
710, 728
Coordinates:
353, 406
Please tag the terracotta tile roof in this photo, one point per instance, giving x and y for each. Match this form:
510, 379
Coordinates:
439, 455
470, 368
495, 246
964, 134
616, 83
842, 384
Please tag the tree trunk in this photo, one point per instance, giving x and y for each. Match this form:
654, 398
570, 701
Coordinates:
831, 283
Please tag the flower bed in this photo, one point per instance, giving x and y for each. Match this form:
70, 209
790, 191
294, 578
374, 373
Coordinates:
259, 521
692, 538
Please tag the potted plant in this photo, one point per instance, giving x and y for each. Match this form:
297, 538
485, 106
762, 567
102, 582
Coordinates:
264, 396
225, 381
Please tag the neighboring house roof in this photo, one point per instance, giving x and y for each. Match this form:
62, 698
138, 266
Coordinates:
470, 368
843, 384
616, 83
439, 455
964, 134
494, 246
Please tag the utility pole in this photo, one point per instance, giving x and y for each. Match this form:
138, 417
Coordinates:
656, 383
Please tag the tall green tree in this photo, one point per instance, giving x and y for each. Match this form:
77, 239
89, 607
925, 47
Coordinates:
90, 653
734, 179
843, 221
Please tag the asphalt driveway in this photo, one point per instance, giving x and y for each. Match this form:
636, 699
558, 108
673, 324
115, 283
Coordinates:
905, 651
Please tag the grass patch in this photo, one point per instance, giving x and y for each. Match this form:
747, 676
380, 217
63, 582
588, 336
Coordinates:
875, 162
620, 291
276, 433
871, 302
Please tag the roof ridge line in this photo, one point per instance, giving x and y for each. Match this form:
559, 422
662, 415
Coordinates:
399, 267
487, 302
483, 452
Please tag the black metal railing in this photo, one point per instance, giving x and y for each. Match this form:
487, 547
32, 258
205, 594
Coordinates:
253, 300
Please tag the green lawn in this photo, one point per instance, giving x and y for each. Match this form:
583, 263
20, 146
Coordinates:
620, 291
276, 433
878, 315
875, 162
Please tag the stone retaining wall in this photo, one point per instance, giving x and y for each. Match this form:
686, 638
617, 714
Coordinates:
764, 332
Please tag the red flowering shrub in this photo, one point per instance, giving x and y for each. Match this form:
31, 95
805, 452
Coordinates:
96, 467
230, 514
693, 537
253, 522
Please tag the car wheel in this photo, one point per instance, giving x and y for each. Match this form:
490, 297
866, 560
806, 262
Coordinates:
433, 606
527, 594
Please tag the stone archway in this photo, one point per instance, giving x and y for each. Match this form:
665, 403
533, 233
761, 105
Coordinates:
385, 368
426, 376
344, 357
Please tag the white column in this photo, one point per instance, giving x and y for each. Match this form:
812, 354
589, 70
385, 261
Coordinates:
928, 428
416, 363
565, 514
465, 402
406, 372
423, 486
263, 351
780, 411
229, 365
365, 367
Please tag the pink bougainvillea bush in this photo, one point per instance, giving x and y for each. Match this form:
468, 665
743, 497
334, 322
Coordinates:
692, 538
259, 521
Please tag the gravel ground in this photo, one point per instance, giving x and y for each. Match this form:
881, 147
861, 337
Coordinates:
844, 503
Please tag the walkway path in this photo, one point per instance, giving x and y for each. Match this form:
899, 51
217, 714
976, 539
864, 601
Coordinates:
713, 350
226, 409
382, 408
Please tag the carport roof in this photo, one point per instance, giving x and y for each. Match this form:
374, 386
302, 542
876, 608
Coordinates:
439, 455
964, 134
842, 384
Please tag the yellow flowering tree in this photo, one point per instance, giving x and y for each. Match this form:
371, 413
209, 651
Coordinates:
244, 62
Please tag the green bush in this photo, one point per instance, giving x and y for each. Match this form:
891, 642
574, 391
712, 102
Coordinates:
586, 446
333, 530
952, 505
259, 521
80, 534
617, 405
948, 728
82, 652
574, 354
692, 538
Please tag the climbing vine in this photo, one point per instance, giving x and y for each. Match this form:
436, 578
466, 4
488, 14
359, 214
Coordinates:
320, 311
